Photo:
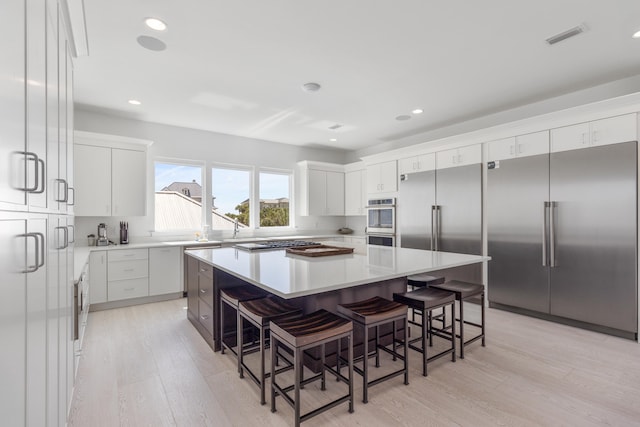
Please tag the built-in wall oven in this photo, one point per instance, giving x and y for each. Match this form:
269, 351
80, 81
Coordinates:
381, 222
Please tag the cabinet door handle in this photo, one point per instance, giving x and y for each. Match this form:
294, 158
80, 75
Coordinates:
73, 239
129, 289
36, 265
128, 270
511, 150
596, 135
38, 177
204, 317
74, 196
65, 191
203, 291
584, 137
519, 148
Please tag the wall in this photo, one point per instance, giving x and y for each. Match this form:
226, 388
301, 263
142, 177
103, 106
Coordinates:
172, 142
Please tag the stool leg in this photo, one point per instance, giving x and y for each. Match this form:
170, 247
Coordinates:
425, 319
296, 385
339, 352
323, 383
239, 338
262, 374
273, 350
482, 300
393, 340
453, 332
365, 362
430, 327
406, 350
377, 346
350, 358
461, 329
222, 326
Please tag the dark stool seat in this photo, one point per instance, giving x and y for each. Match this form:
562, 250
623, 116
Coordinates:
231, 297
259, 312
302, 333
424, 279
465, 291
426, 300
373, 313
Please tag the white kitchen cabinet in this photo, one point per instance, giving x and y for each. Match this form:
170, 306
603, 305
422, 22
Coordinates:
98, 276
519, 146
109, 180
459, 157
320, 189
127, 274
164, 270
420, 163
611, 130
355, 197
382, 177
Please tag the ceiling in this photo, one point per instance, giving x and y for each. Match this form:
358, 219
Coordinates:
237, 67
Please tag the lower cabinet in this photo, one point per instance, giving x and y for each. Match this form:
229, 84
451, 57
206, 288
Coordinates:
127, 274
98, 276
201, 299
164, 270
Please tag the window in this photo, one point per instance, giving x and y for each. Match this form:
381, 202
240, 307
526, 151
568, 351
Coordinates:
274, 199
178, 198
231, 196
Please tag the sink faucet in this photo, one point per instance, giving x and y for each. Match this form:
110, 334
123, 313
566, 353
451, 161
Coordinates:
235, 228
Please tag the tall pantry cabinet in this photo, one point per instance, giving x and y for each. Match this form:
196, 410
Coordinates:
36, 225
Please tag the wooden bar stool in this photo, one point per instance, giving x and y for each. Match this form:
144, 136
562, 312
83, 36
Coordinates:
373, 313
426, 300
232, 297
306, 332
465, 291
259, 312
423, 280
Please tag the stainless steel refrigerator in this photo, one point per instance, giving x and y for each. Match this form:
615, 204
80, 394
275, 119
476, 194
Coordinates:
442, 210
562, 233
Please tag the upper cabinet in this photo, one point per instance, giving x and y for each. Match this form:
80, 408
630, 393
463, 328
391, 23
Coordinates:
600, 132
355, 197
423, 162
459, 157
519, 146
382, 178
320, 188
110, 176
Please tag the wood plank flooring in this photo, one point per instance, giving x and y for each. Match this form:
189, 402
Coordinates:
147, 366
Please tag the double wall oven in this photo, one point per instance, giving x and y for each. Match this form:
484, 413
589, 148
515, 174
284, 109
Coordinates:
381, 222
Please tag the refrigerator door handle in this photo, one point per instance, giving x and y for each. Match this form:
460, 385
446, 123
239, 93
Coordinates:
433, 226
552, 234
438, 218
545, 227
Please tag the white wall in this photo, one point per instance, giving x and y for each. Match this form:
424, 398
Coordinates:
172, 142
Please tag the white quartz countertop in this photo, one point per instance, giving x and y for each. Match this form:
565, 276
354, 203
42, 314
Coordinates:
291, 276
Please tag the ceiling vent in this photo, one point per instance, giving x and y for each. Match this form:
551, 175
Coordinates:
566, 34
336, 126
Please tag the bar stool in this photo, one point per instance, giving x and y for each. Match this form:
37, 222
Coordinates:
373, 313
306, 332
424, 280
426, 300
232, 297
465, 291
259, 312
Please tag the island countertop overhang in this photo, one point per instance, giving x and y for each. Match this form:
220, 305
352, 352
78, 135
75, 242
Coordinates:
292, 276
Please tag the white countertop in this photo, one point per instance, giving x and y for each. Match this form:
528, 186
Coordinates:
291, 276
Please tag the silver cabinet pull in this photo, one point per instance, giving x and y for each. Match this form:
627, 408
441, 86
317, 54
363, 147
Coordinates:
65, 191
74, 196
38, 176
35, 266
545, 226
552, 234
73, 239
433, 226
438, 226
65, 232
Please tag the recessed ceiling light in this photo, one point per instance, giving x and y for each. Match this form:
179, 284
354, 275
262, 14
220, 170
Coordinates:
418, 111
403, 118
332, 140
134, 102
636, 35
311, 87
151, 43
155, 24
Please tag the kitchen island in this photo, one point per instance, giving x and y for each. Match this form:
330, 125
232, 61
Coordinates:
310, 283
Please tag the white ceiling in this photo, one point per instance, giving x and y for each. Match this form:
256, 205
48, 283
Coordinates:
237, 67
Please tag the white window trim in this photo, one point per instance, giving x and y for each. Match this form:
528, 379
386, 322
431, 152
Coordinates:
252, 186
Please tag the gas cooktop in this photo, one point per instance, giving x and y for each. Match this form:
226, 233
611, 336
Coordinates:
282, 244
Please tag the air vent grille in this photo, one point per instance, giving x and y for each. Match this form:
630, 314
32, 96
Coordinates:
336, 126
566, 34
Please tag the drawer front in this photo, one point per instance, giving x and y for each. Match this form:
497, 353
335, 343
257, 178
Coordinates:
205, 269
125, 289
128, 254
124, 270
205, 316
205, 288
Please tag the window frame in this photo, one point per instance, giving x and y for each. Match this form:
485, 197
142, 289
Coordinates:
232, 166
276, 171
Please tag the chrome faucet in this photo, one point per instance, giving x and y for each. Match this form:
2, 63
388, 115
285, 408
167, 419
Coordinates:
235, 228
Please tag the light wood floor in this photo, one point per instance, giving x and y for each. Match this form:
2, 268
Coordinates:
147, 366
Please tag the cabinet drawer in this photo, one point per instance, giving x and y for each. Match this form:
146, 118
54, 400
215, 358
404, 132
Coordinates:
205, 316
134, 269
128, 254
205, 288
205, 270
124, 289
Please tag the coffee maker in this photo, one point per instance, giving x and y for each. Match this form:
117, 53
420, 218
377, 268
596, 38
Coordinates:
103, 240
